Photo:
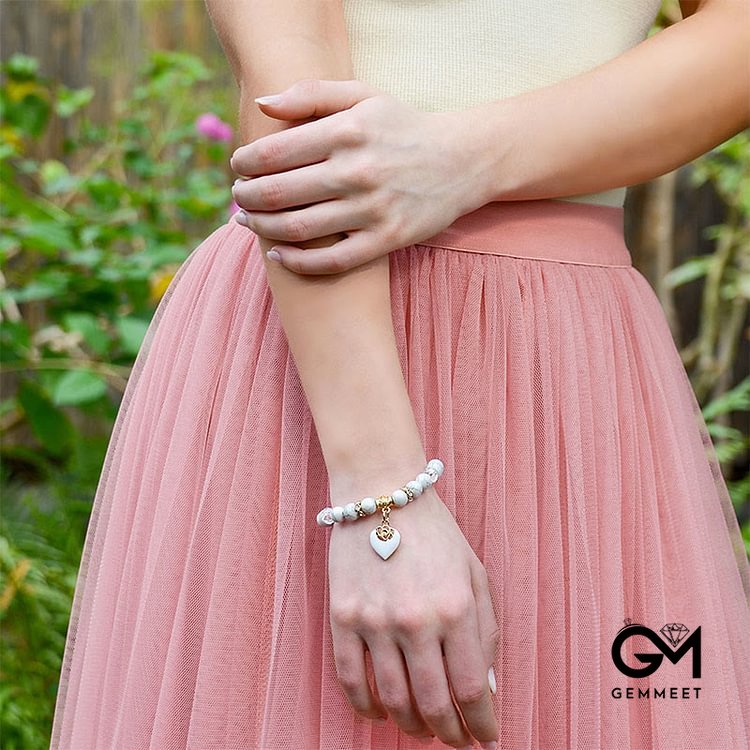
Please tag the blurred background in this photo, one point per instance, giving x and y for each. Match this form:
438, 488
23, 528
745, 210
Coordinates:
117, 123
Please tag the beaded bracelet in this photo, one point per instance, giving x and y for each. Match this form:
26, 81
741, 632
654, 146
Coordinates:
384, 538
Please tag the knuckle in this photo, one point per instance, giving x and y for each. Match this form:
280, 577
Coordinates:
364, 174
269, 154
271, 194
453, 612
297, 228
347, 680
337, 263
306, 87
409, 620
396, 701
470, 692
351, 132
345, 615
436, 713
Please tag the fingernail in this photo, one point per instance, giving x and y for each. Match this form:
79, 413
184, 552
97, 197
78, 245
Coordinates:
491, 679
491, 745
270, 99
241, 218
273, 255
381, 719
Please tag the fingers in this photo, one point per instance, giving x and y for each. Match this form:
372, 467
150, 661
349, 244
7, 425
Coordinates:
424, 659
467, 672
308, 142
313, 97
309, 184
393, 685
287, 149
361, 246
351, 672
306, 223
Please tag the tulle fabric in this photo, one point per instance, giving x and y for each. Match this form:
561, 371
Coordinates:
577, 465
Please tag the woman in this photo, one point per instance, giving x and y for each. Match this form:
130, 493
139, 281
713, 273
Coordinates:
443, 184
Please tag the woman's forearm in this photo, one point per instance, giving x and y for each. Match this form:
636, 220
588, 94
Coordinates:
657, 106
339, 328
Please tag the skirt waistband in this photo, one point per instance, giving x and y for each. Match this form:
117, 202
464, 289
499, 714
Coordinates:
545, 229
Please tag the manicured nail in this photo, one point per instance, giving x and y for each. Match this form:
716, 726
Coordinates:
491, 679
270, 99
273, 255
241, 218
491, 745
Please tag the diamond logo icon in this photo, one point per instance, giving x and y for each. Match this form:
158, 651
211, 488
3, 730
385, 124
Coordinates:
674, 632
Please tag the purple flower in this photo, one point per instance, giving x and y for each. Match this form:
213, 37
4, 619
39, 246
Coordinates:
213, 127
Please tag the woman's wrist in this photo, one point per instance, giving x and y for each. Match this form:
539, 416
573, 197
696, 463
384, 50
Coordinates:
483, 141
371, 475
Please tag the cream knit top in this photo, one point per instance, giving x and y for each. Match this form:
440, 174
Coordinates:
443, 55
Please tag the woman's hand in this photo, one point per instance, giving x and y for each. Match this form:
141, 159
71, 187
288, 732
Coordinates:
430, 598
358, 163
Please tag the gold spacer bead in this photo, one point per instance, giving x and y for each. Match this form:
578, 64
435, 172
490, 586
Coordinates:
384, 501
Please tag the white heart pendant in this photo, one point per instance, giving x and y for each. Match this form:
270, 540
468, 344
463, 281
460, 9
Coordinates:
387, 548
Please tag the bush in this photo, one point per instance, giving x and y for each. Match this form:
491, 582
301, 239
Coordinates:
90, 242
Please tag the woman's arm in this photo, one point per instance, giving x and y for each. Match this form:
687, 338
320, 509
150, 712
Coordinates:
339, 329
428, 624
657, 106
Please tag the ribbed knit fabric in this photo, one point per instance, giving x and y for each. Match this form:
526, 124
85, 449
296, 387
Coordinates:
443, 55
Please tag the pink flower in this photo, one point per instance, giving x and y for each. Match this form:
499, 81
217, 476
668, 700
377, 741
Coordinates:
213, 127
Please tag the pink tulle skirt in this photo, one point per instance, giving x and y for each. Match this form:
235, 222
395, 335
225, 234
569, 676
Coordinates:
543, 373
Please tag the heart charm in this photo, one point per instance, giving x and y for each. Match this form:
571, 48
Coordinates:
387, 548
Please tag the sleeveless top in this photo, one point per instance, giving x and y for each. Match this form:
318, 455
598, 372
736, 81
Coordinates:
443, 55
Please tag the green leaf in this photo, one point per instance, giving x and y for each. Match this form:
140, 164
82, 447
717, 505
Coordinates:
736, 399
56, 178
88, 326
69, 101
78, 387
132, 330
688, 271
50, 425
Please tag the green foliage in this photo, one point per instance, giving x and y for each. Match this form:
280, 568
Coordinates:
90, 243
726, 298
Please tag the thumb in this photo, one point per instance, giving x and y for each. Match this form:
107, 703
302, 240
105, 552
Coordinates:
314, 97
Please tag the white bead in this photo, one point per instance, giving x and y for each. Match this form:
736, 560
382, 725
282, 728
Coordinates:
400, 498
338, 513
424, 480
350, 511
325, 517
438, 465
415, 487
431, 472
369, 505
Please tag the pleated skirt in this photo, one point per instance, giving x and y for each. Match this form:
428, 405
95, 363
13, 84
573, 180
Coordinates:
542, 371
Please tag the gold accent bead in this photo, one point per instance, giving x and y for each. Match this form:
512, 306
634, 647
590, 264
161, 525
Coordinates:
384, 501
